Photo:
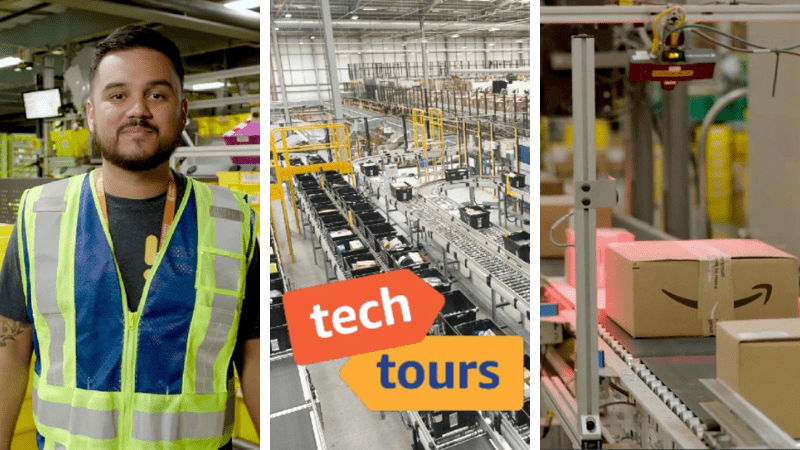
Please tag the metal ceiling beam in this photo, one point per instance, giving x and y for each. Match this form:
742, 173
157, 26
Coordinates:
24, 11
644, 14
217, 102
375, 25
204, 9
144, 14
222, 74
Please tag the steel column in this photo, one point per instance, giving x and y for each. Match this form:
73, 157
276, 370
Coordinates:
675, 113
584, 161
639, 158
333, 73
276, 56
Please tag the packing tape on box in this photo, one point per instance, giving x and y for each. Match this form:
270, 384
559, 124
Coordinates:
715, 284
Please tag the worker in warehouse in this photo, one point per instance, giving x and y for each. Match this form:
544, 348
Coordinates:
136, 287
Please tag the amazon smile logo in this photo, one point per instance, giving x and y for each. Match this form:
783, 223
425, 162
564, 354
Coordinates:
736, 304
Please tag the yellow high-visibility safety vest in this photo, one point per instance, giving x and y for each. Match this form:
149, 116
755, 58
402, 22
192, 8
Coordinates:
108, 378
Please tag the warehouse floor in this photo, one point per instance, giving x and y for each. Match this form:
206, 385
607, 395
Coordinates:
347, 423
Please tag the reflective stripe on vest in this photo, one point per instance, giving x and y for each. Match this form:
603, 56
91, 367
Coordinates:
48, 208
81, 421
227, 229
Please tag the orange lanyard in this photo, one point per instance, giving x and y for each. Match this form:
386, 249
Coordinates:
169, 207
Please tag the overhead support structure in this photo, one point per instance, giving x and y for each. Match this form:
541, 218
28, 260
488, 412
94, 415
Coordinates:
646, 13
438, 26
424, 57
333, 73
586, 362
217, 102
151, 15
221, 74
204, 9
276, 57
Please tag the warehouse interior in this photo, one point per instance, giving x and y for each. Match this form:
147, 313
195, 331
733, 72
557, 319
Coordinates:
45, 56
665, 250
399, 139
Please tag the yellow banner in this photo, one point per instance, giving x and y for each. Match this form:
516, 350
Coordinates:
450, 373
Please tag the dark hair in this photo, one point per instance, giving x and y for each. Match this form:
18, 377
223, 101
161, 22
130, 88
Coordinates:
137, 36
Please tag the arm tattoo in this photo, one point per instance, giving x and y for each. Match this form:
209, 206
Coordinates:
9, 329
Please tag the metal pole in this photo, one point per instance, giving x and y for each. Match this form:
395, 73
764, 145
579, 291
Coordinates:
276, 56
366, 128
639, 154
333, 75
405, 132
480, 151
424, 55
316, 71
586, 371
675, 113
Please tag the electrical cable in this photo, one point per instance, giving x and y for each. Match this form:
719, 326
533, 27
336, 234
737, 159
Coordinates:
616, 403
555, 225
761, 48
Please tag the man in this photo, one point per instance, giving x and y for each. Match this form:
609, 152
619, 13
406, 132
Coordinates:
136, 287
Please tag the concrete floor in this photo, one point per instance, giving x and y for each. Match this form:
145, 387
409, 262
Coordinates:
348, 424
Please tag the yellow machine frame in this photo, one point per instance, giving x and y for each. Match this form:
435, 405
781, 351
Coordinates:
339, 146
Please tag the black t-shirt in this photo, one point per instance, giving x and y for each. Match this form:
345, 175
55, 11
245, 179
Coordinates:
135, 228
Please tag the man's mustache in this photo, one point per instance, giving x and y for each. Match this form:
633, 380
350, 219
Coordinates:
137, 123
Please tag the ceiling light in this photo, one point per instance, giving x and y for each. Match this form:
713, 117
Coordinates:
288, 16
455, 36
354, 17
29, 67
424, 41
491, 45
464, 47
243, 4
494, 29
9, 61
520, 40
370, 9
300, 7
313, 37
207, 86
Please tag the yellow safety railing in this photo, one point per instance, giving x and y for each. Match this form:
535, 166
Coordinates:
420, 138
436, 127
338, 146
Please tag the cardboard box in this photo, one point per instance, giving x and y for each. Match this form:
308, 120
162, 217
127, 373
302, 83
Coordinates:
760, 360
681, 288
552, 207
550, 185
603, 237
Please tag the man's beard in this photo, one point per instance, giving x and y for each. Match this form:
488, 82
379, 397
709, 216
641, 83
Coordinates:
113, 155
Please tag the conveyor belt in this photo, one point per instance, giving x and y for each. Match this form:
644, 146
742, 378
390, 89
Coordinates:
479, 443
498, 268
286, 389
682, 374
660, 347
294, 431
458, 234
